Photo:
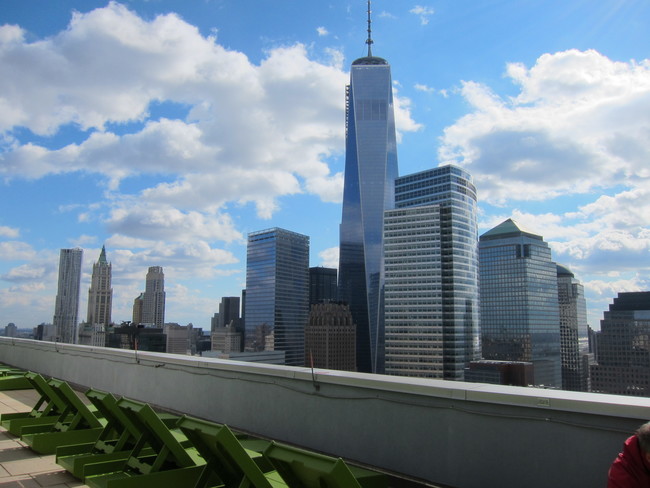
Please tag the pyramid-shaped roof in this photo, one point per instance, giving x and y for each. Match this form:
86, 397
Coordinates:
508, 228
102, 256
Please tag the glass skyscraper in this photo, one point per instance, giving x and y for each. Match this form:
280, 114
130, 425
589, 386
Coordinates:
520, 317
370, 172
277, 290
574, 339
66, 307
624, 347
431, 263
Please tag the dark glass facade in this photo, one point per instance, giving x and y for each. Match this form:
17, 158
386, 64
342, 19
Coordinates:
624, 347
431, 274
370, 172
322, 285
277, 290
520, 318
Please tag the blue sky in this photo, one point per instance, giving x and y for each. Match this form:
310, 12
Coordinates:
168, 130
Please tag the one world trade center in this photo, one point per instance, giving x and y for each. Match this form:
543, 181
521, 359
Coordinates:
370, 172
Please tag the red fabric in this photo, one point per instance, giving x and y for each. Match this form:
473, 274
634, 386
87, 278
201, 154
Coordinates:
630, 469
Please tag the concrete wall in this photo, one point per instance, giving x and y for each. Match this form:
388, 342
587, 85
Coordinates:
459, 434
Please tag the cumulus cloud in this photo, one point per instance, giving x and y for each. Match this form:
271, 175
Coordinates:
578, 115
322, 31
423, 12
16, 250
329, 257
275, 122
10, 232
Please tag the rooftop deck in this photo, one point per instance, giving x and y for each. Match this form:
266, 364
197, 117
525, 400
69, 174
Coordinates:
461, 435
20, 467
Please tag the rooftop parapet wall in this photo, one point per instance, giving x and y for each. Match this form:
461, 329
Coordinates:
463, 435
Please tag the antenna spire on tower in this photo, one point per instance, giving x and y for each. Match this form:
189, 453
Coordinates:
369, 41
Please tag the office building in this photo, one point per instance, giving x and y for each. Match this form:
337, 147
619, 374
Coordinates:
322, 285
226, 340
574, 338
624, 347
66, 307
277, 292
136, 337
512, 373
229, 312
431, 266
178, 338
520, 316
92, 334
370, 172
137, 309
153, 299
11, 330
100, 293
330, 337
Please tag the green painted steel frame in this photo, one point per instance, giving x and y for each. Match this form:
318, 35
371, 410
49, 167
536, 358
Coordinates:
171, 464
46, 410
227, 458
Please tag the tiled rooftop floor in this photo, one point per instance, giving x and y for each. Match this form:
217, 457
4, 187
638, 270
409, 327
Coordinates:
20, 467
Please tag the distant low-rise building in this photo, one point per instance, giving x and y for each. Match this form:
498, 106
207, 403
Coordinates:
513, 373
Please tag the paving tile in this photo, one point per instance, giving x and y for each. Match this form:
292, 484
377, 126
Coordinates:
58, 478
32, 465
12, 454
24, 481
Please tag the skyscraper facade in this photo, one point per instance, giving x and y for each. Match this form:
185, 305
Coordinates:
100, 293
322, 285
520, 316
574, 339
228, 312
624, 347
370, 172
153, 299
330, 337
431, 266
66, 307
277, 291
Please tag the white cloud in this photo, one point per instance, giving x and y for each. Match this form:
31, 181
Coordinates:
270, 128
10, 232
322, 31
16, 250
578, 115
423, 88
423, 12
329, 257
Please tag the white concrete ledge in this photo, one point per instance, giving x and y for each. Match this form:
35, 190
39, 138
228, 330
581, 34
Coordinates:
465, 435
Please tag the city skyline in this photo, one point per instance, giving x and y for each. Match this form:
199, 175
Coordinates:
128, 146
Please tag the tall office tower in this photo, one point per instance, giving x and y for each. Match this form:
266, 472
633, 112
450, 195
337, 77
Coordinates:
322, 285
370, 172
153, 300
330, 337
138, 304
100, 294
431, 263
228, 312
624, 347
277, 292
66, 308
574, 339
520, 315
